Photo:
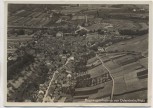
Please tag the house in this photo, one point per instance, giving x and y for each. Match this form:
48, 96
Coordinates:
59, 21
134, 10
100, 49
59, 34
81, 30
12, 57
63, 59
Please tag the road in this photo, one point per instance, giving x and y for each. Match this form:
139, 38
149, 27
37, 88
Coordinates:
109, 74
52, 81
48, 88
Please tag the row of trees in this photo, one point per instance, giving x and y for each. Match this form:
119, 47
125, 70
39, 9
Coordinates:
15, 67
28, 89
133, 32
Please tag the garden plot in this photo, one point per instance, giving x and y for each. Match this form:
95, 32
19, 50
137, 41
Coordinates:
97, 71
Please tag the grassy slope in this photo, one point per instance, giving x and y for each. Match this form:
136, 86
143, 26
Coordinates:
138, 44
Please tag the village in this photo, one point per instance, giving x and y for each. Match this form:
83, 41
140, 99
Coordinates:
70, 53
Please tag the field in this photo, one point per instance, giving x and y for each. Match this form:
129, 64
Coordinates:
144, 62
105, 92
138, 44
97, 71
92, 60
133, 95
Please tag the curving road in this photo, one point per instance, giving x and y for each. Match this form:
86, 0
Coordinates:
109, 74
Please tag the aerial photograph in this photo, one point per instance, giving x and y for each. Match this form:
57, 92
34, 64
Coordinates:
77, 53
